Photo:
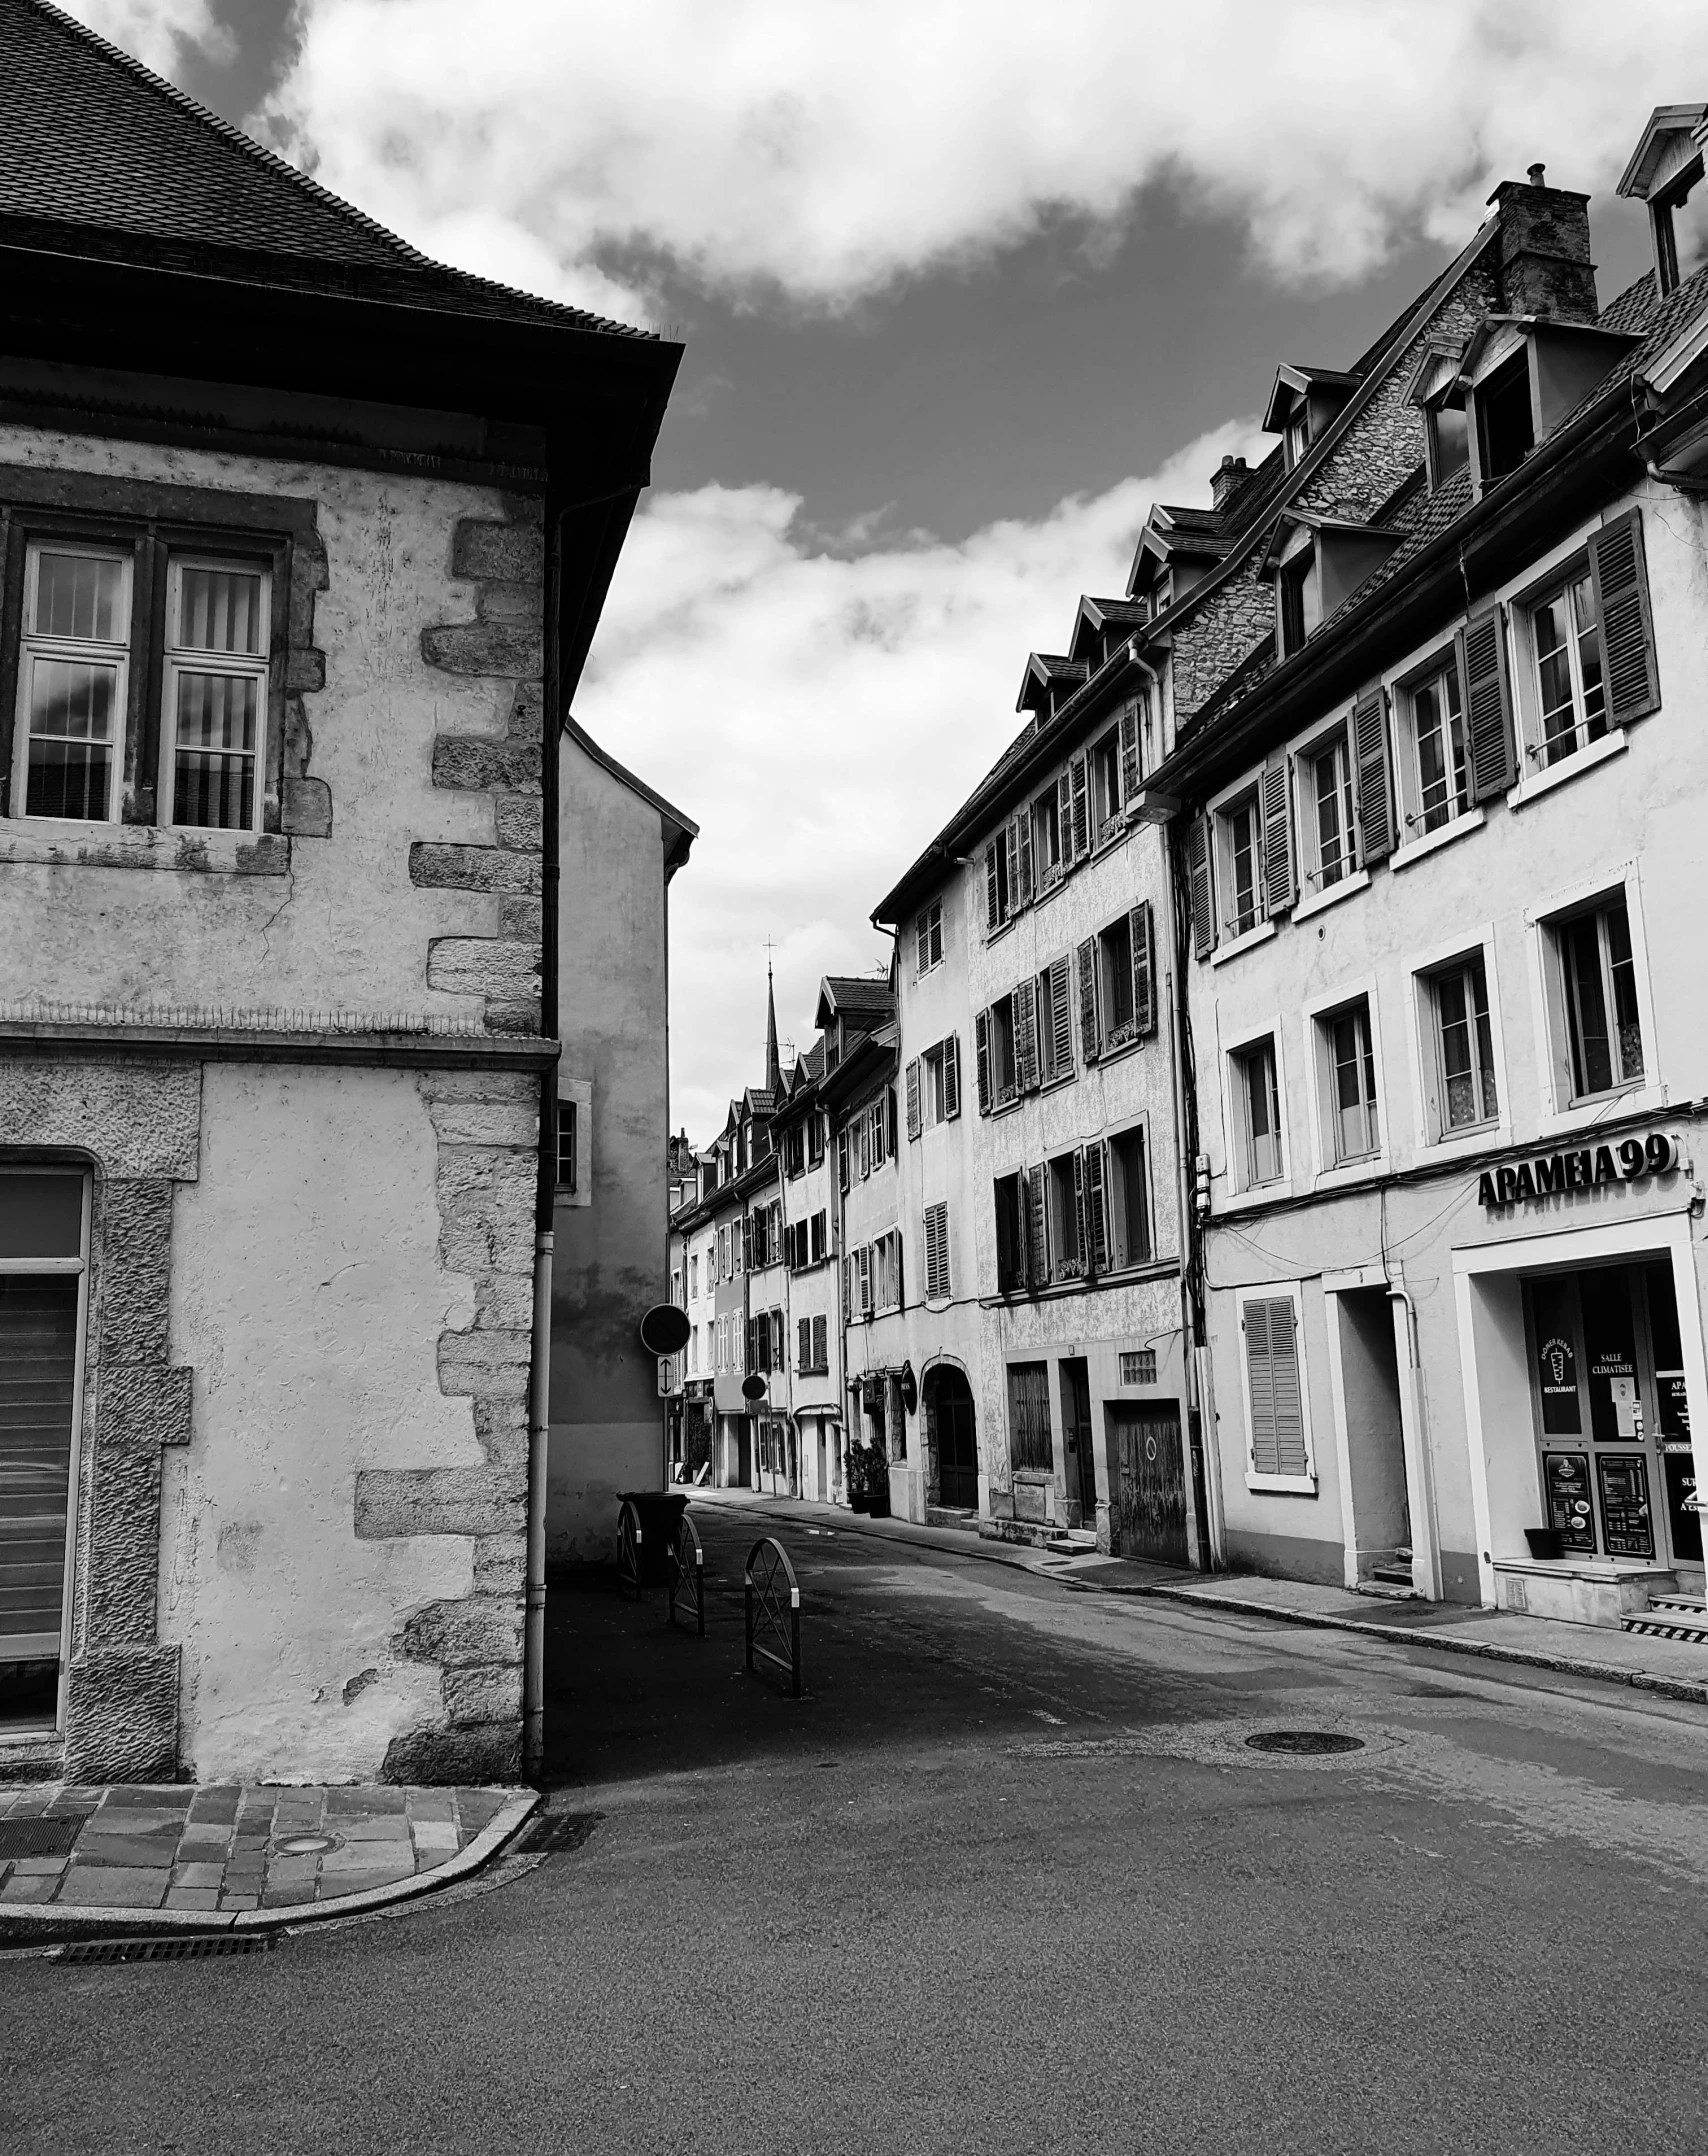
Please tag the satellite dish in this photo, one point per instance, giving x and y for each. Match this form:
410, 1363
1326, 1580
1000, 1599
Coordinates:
753, 1387
664, 1329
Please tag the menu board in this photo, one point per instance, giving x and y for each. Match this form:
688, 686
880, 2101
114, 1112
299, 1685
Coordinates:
1625, 1517
1566, 1475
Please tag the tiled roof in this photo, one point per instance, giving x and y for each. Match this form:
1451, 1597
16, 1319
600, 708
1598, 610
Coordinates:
853, 994
91, 140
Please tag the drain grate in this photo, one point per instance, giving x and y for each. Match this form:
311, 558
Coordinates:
195, 1948
1304, 1743
36, 1837
556, 1833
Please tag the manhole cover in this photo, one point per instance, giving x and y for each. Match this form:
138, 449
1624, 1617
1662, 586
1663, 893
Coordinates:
307, 1845
36, 1837
1304, 1743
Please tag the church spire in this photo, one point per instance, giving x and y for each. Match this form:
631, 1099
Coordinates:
773, 1068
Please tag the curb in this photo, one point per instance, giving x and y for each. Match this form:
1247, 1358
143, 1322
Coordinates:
25, 1924
1691, 1690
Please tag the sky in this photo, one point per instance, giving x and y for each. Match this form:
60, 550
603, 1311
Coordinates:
964, 286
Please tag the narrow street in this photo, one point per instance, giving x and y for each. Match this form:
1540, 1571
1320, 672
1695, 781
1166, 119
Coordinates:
1009, 1878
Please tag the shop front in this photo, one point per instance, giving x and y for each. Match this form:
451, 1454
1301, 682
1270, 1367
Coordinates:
1583, 1361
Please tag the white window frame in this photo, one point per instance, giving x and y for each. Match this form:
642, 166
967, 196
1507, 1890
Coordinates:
1335, 739
1558, 1111
1222, 868
928, 927
1275, 1291
176, 658
1536, 777
1459, 819
1142, 1124
580, 1091
1433, 1138
1329, 1173
117, 654
1234, 1147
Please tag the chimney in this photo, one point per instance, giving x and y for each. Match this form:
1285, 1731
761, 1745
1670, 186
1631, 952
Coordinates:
1545, 265
1226, 483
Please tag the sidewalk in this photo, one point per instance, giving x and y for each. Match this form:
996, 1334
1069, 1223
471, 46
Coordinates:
1676, 1668
79, 1860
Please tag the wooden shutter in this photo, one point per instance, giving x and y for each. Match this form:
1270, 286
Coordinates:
992, 893
1079, 1219
1064, 820
1275, 804
937, 1251
1060, 1019
38, 1354
843, 1176
821, 1343
1037, 1237
1144, 968
1260, 1384
913, 1098
1198, 882
1130, 774
1272, 1374
1628, 669
1090, 1047
1023, 832
1081, 807
1486, 692
778, 1359
1026, 1036
1011, 850
1096, 1212
866, 1279
1373, 776
951, 1077
747, 1242
847, 1287
804, 1331
981, 1041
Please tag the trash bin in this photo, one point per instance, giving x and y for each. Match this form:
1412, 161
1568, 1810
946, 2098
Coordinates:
660, 1515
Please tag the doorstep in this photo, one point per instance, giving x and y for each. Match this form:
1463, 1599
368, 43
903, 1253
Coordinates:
1579, 1590
79, 1861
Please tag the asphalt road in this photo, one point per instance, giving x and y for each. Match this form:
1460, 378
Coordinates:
1008, 1879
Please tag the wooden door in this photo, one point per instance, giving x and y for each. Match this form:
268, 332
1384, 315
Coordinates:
1152, 1468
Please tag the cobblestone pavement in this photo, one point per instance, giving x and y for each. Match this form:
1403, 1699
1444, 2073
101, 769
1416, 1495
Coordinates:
226, 1848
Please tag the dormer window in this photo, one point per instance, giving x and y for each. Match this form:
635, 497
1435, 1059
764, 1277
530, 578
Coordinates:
1298, 604
1449, 439
1506, 427
1664, 172
1298, 437
1301, 406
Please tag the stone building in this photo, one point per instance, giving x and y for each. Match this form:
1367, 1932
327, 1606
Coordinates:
1434, 768
304, 539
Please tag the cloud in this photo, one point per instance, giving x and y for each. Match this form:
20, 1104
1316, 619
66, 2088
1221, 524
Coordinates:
155, 31
823, 149
820, 717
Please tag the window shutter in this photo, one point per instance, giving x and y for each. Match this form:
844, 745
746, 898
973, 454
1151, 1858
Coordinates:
922, 938
1011, 848
1374, 780
1064, 820
913, 1098
891, 1138
1037, 1245
747, 1242
804, 1333
1061, 1019
992, 901
821, 1343
777, 1357
866, 1280
1129, 753
865, 1129
1096, 1212
1144, 969
1089, 1045
1198, 882
1487, 695
937, 1251
1280, 888
842, 1174
1080, 1232
1026, 1035
847, 1287
1627, 624
981, 1039
951, 1077
1023, 832
1081, 807
1260, 1383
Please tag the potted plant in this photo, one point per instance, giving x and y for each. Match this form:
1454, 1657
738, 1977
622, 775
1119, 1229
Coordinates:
1546, 1542
854, 1478
877, 1484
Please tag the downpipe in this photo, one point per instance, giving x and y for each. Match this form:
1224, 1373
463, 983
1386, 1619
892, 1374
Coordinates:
539, 1439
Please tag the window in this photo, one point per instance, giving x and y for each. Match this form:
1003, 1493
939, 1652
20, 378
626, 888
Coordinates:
819, 1248
1010, 1234
1448, 437
1063, 1179
1105, 778
820, 1343
999, 1073
1257, 1104
694, 1276
1505, 430
816, 1128
928, 937
1331, 836
1242, 863
937, 1253
215, 692
1138, 1366
1353, 1130
1008, 871
1055, 1021
794, 1151
676, 1295
1465, 1095
1029, 1416
1278, 1448
73, 676
1566, 644
1595, 996
1047, 836
812, 1357
1129, 1205
934, 1086
1117, 1002
1297, 607
1441, 777
566, 1146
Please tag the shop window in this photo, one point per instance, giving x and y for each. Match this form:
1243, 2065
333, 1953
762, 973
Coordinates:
1352, 1127
1593, 1000
1257, 1105
1439, 776
1129, 1202
1506, 431
1331, 838
1463, 1093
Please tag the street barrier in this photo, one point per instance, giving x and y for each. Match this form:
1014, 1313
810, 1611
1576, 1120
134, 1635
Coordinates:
774, 1611
688, 1575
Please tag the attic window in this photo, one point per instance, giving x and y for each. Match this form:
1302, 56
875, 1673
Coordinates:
1662, 211
1297, 607
1449, 440
1506, 432
1298, 435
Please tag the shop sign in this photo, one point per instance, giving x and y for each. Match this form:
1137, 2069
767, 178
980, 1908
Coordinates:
1569, 1507
1559, 1367
1625, 1518
1548, 1175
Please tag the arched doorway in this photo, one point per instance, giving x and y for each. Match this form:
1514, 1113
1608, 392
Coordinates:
951, 1439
